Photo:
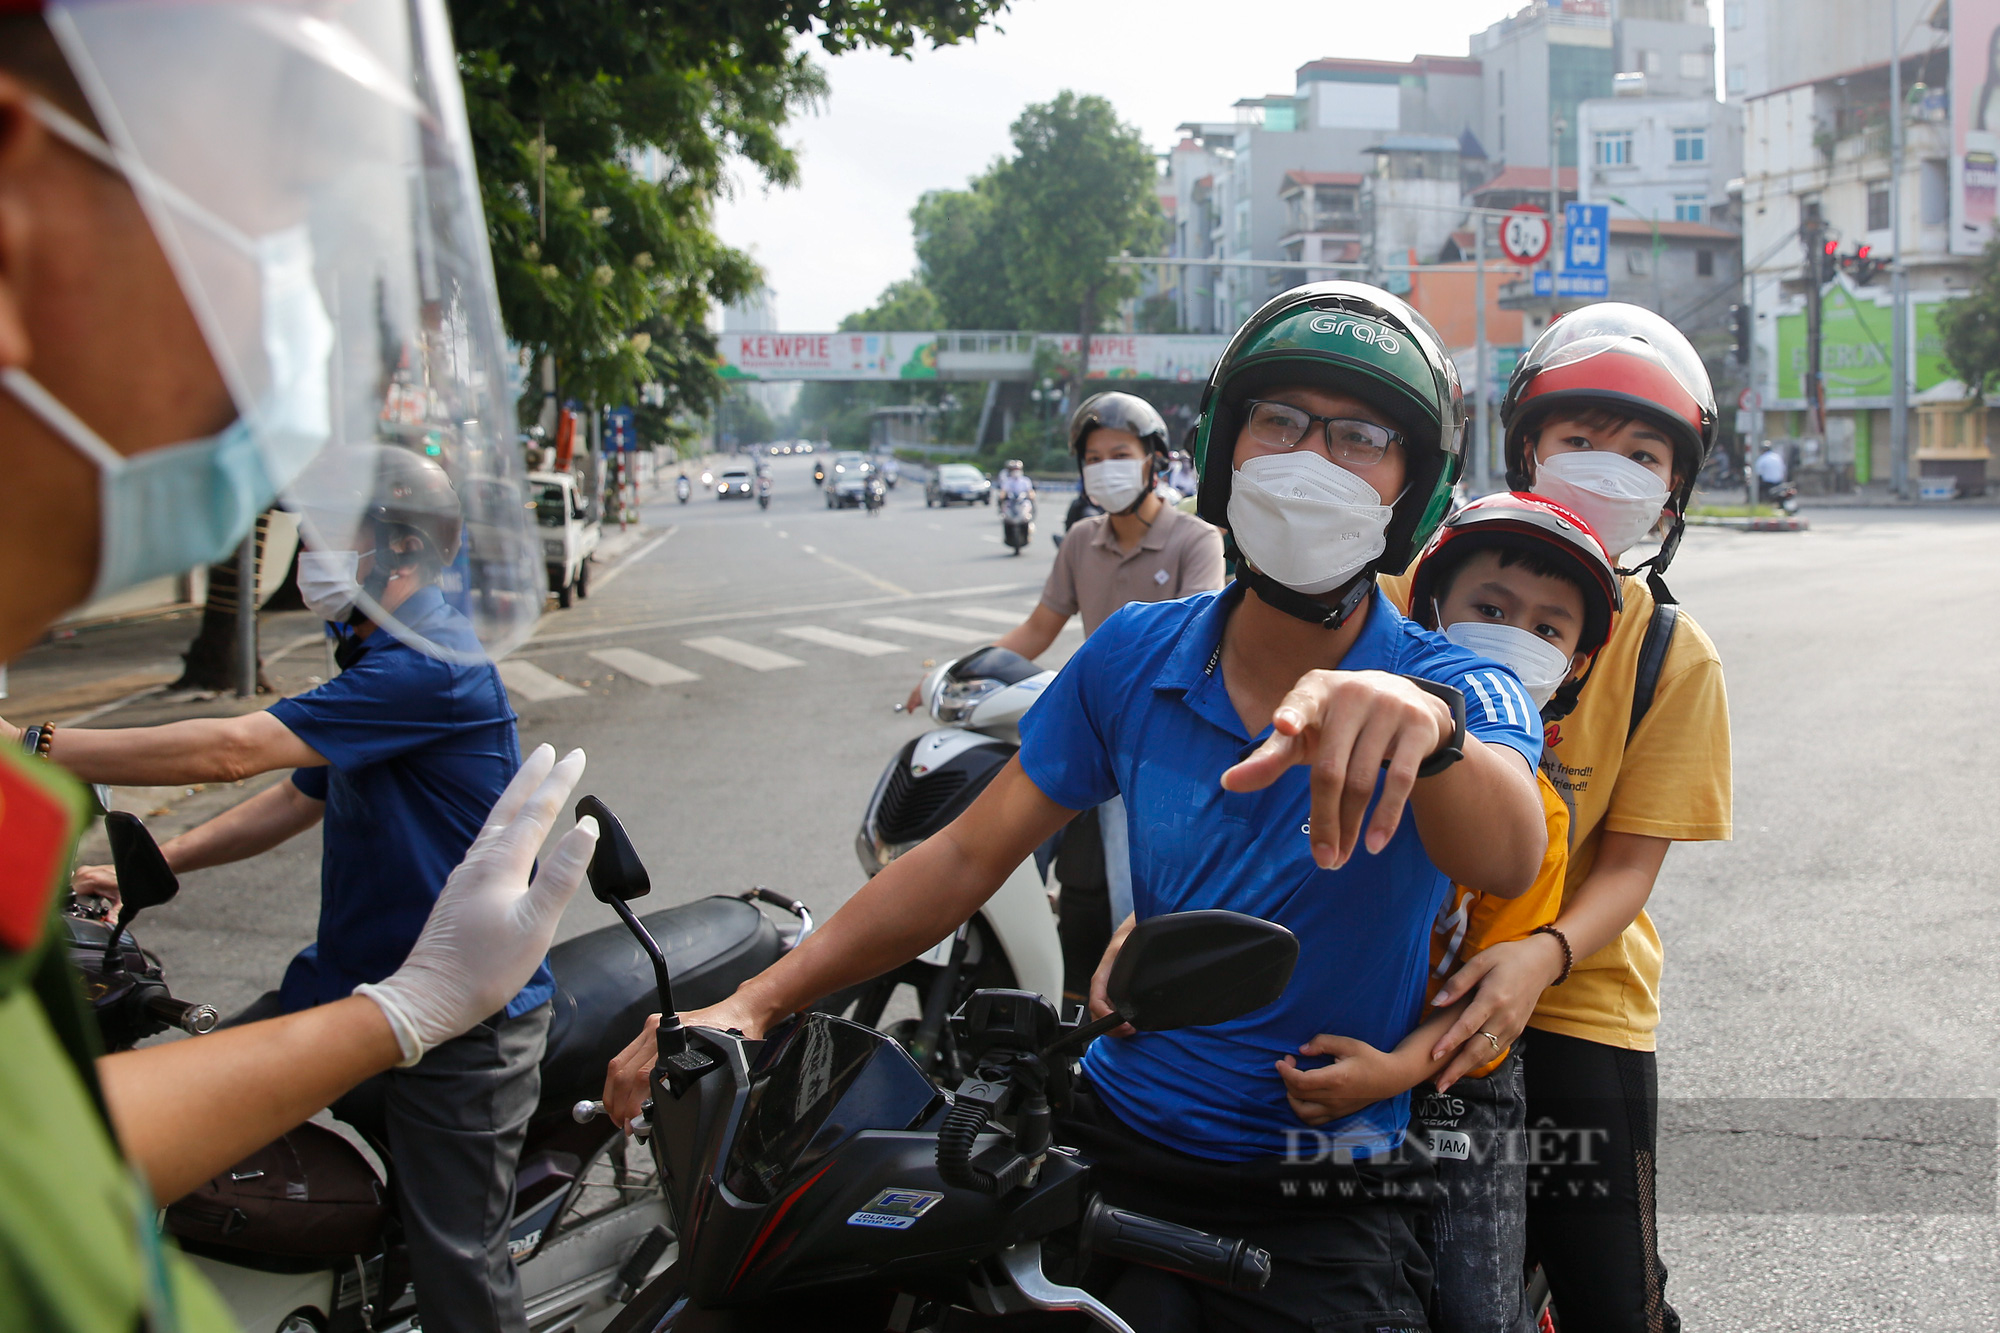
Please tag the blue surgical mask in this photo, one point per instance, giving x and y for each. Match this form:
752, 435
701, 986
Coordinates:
166, 510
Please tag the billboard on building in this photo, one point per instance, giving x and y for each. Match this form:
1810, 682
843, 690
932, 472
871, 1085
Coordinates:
1855, 338
827, 356
1975, 122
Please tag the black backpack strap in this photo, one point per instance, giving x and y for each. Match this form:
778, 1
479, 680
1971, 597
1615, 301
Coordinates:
1652, 657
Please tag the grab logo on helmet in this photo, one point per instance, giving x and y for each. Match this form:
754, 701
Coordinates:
1366, 332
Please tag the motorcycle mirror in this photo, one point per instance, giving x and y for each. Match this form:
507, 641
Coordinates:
616, 873
1194, 969
144, 878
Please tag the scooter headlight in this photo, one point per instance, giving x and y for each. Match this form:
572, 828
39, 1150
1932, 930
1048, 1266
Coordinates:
957, 699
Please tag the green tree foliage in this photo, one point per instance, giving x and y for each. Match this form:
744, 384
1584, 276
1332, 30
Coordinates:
610, 272
1079, 190
958, 256
907, 304
1971, 325
1028, 244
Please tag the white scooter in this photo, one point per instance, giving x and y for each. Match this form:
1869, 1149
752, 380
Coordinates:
1010, 942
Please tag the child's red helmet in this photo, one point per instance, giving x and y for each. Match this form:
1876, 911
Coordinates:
1520, 521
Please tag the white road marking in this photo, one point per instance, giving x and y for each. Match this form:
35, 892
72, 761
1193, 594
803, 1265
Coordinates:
989, 537
644, 667
542, 642
926, 629
847, 643
1007, 618
743, 654
534, 684
636, 556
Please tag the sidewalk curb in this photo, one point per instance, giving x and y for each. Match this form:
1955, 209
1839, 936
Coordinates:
1750, 524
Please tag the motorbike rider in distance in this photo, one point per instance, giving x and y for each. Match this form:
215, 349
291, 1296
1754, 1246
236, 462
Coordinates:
1248, 732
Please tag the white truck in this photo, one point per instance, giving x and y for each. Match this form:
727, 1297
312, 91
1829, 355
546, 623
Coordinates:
570, 532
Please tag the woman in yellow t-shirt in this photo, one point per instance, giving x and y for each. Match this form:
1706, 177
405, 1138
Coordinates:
1612, 414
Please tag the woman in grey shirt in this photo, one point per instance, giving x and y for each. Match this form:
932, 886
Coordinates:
1140, 549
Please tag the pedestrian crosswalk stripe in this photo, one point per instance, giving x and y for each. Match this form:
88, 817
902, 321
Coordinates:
743, 654
534, 684
925, 629
1007, 618
847, 643
644, 667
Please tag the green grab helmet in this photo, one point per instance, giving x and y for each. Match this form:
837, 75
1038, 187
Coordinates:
1354, 339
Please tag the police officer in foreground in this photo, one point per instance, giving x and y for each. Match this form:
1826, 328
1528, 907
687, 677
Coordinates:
203, 282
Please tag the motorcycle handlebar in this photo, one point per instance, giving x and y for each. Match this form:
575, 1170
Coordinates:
193, 1019
1136, 1238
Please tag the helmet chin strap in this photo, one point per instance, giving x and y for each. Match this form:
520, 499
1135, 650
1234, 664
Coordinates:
1301, 606
1655, 567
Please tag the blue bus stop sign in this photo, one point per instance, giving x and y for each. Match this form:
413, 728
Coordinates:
1586, 231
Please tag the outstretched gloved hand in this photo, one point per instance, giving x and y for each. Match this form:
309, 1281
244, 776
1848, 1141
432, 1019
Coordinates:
490, 926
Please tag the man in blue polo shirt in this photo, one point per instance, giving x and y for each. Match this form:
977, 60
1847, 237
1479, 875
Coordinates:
1267, 740
399, 757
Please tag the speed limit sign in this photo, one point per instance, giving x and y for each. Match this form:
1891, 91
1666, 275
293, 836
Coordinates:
1525, 234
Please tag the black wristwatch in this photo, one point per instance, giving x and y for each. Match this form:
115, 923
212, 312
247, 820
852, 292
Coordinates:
1452, 750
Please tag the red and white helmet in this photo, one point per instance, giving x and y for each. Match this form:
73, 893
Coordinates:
1622, 358
1520, 521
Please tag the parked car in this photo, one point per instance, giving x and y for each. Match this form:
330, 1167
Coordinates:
570, 536
957, 483
733, 484
847, 480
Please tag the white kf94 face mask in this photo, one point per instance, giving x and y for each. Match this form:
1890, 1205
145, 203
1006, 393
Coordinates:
1305, 521
1618, 498
328, 582
1541, 665
1115, 484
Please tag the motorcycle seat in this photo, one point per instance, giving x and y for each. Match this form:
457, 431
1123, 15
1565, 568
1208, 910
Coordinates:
605, 989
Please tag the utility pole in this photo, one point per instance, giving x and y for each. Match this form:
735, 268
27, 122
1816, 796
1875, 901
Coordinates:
1899, 279
1812, 235
1480, 444
1556, 127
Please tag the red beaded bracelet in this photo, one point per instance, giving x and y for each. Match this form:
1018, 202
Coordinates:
1569, 959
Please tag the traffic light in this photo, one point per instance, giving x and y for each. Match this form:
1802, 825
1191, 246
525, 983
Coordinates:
1862, 265
1739, 334
1829, 262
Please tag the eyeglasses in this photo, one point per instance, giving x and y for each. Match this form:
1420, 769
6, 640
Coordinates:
1282, 426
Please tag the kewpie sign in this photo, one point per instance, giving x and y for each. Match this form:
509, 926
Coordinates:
1525, 234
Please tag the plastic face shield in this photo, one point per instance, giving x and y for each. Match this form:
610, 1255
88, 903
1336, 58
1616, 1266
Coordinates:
308, 171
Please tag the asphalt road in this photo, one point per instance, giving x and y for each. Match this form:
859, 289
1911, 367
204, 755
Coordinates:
1838, 948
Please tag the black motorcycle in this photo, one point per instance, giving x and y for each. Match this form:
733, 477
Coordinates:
303, 1233
819, 1180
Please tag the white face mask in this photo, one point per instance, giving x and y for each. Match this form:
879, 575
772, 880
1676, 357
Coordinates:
1541, 665
1304, 521
1115, 484
1618, 498
329, 582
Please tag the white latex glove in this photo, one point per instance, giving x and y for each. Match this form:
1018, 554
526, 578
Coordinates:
490, 926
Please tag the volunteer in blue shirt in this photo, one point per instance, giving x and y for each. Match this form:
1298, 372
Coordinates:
398, 757
1266, 739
